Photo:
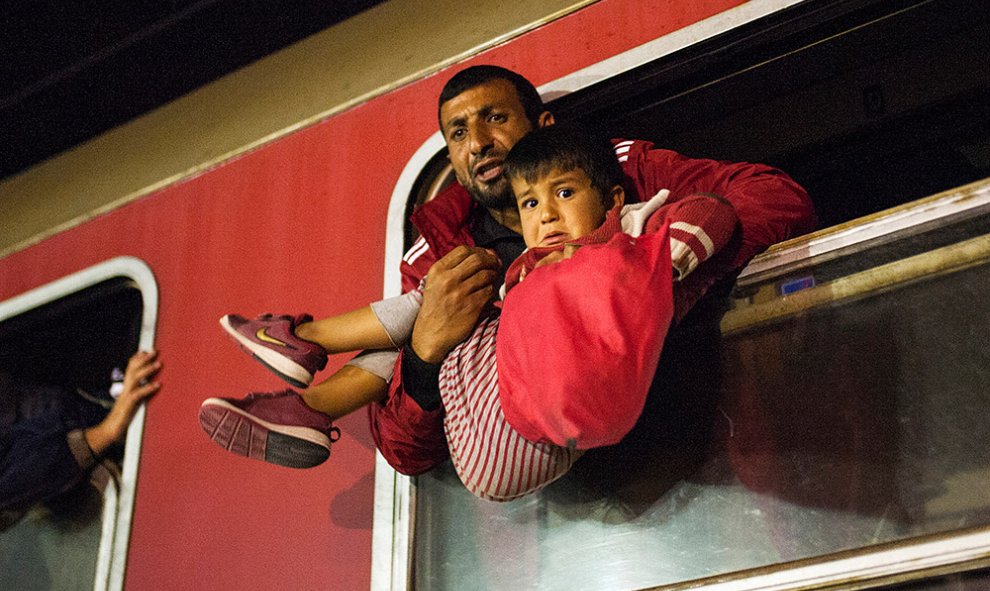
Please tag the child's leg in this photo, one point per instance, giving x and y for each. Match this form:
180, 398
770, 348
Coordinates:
291, 429
295, 348
350, 331
347, 390
383, 324
490, 457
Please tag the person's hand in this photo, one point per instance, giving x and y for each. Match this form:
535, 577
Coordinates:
553, 258
138, 387
458, 287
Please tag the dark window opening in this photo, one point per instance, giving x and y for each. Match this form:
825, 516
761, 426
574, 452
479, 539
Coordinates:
73, 342
867, 104
436, 176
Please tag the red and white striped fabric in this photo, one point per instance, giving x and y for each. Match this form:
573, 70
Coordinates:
492, 460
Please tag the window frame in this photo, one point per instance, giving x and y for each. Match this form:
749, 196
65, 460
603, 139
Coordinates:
118, 500
871, 566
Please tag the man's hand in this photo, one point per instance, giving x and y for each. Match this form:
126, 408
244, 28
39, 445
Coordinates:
458, 287
138, 387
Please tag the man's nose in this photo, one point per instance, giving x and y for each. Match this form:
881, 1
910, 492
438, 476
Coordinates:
480, 139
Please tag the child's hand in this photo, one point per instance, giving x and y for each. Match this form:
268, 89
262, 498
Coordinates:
138, 387
552, 258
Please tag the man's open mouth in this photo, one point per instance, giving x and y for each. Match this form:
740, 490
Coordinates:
488, 171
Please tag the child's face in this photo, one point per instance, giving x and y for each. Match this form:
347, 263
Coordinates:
559, 207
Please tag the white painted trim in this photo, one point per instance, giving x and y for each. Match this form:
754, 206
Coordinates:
391, 539
799, 252
920, 559
663, 46
118, 504
396, 221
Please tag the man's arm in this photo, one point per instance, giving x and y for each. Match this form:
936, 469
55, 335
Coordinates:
769, 205
39, 462
138, 387
408, 426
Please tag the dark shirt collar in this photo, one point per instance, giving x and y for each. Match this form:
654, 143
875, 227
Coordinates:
488, 233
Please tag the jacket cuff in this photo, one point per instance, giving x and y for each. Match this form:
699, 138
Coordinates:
421, 380
80, 449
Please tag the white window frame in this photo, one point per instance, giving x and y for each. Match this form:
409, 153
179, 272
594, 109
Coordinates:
118, 498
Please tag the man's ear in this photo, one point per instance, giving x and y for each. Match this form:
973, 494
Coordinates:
618, 195
545, 119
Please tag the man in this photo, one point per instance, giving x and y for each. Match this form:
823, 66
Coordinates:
471, 232
483, 111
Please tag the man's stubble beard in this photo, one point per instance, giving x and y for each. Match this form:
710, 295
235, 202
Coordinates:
497, 196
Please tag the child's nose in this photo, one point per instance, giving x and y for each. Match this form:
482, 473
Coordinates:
548, 212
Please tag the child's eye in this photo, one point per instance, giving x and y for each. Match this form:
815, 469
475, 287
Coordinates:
565, 193
527, 204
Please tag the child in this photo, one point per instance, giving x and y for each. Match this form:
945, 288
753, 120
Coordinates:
566, 186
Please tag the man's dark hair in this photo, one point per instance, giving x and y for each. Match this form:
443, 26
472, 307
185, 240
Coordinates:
477, 75
566, 148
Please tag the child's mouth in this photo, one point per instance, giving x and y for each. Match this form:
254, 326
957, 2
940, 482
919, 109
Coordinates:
553, 238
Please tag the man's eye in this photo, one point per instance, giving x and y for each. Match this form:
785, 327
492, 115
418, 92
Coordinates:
497, 118
457, 134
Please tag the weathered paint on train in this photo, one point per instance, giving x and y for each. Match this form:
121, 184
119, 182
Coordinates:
298, 224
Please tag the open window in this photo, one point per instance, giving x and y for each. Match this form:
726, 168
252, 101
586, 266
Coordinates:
828, 431
73, 333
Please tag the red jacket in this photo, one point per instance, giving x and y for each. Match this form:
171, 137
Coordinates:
769, 205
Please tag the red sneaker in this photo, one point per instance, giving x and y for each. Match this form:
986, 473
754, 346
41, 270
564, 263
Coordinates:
272, 340
276, 427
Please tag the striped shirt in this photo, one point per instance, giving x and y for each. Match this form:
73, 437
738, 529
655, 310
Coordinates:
492, 460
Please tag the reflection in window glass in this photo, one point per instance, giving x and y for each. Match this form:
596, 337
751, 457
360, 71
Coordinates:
838, 428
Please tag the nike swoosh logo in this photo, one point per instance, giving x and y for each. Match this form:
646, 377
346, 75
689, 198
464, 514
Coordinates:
262, 335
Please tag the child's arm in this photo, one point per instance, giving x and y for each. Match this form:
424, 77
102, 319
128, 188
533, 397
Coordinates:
700, 226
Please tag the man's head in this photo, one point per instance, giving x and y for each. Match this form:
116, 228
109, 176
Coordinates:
483, 112
565, 181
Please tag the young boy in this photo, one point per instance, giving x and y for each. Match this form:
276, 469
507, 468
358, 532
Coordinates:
569, 193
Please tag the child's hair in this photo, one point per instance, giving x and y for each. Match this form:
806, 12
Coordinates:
566, 148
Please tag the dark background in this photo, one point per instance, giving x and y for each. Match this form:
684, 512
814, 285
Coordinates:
71, 70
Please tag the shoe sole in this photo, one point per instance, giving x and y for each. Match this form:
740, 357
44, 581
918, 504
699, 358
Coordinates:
246, 435
279, 364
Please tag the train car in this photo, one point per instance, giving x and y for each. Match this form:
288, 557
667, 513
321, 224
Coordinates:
821, 425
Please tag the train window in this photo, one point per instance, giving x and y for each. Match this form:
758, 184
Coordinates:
867, 104
71, 335
847, 431
436, 176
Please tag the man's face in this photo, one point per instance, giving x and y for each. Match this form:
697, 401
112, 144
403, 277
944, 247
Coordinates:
560, 207
480, 126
